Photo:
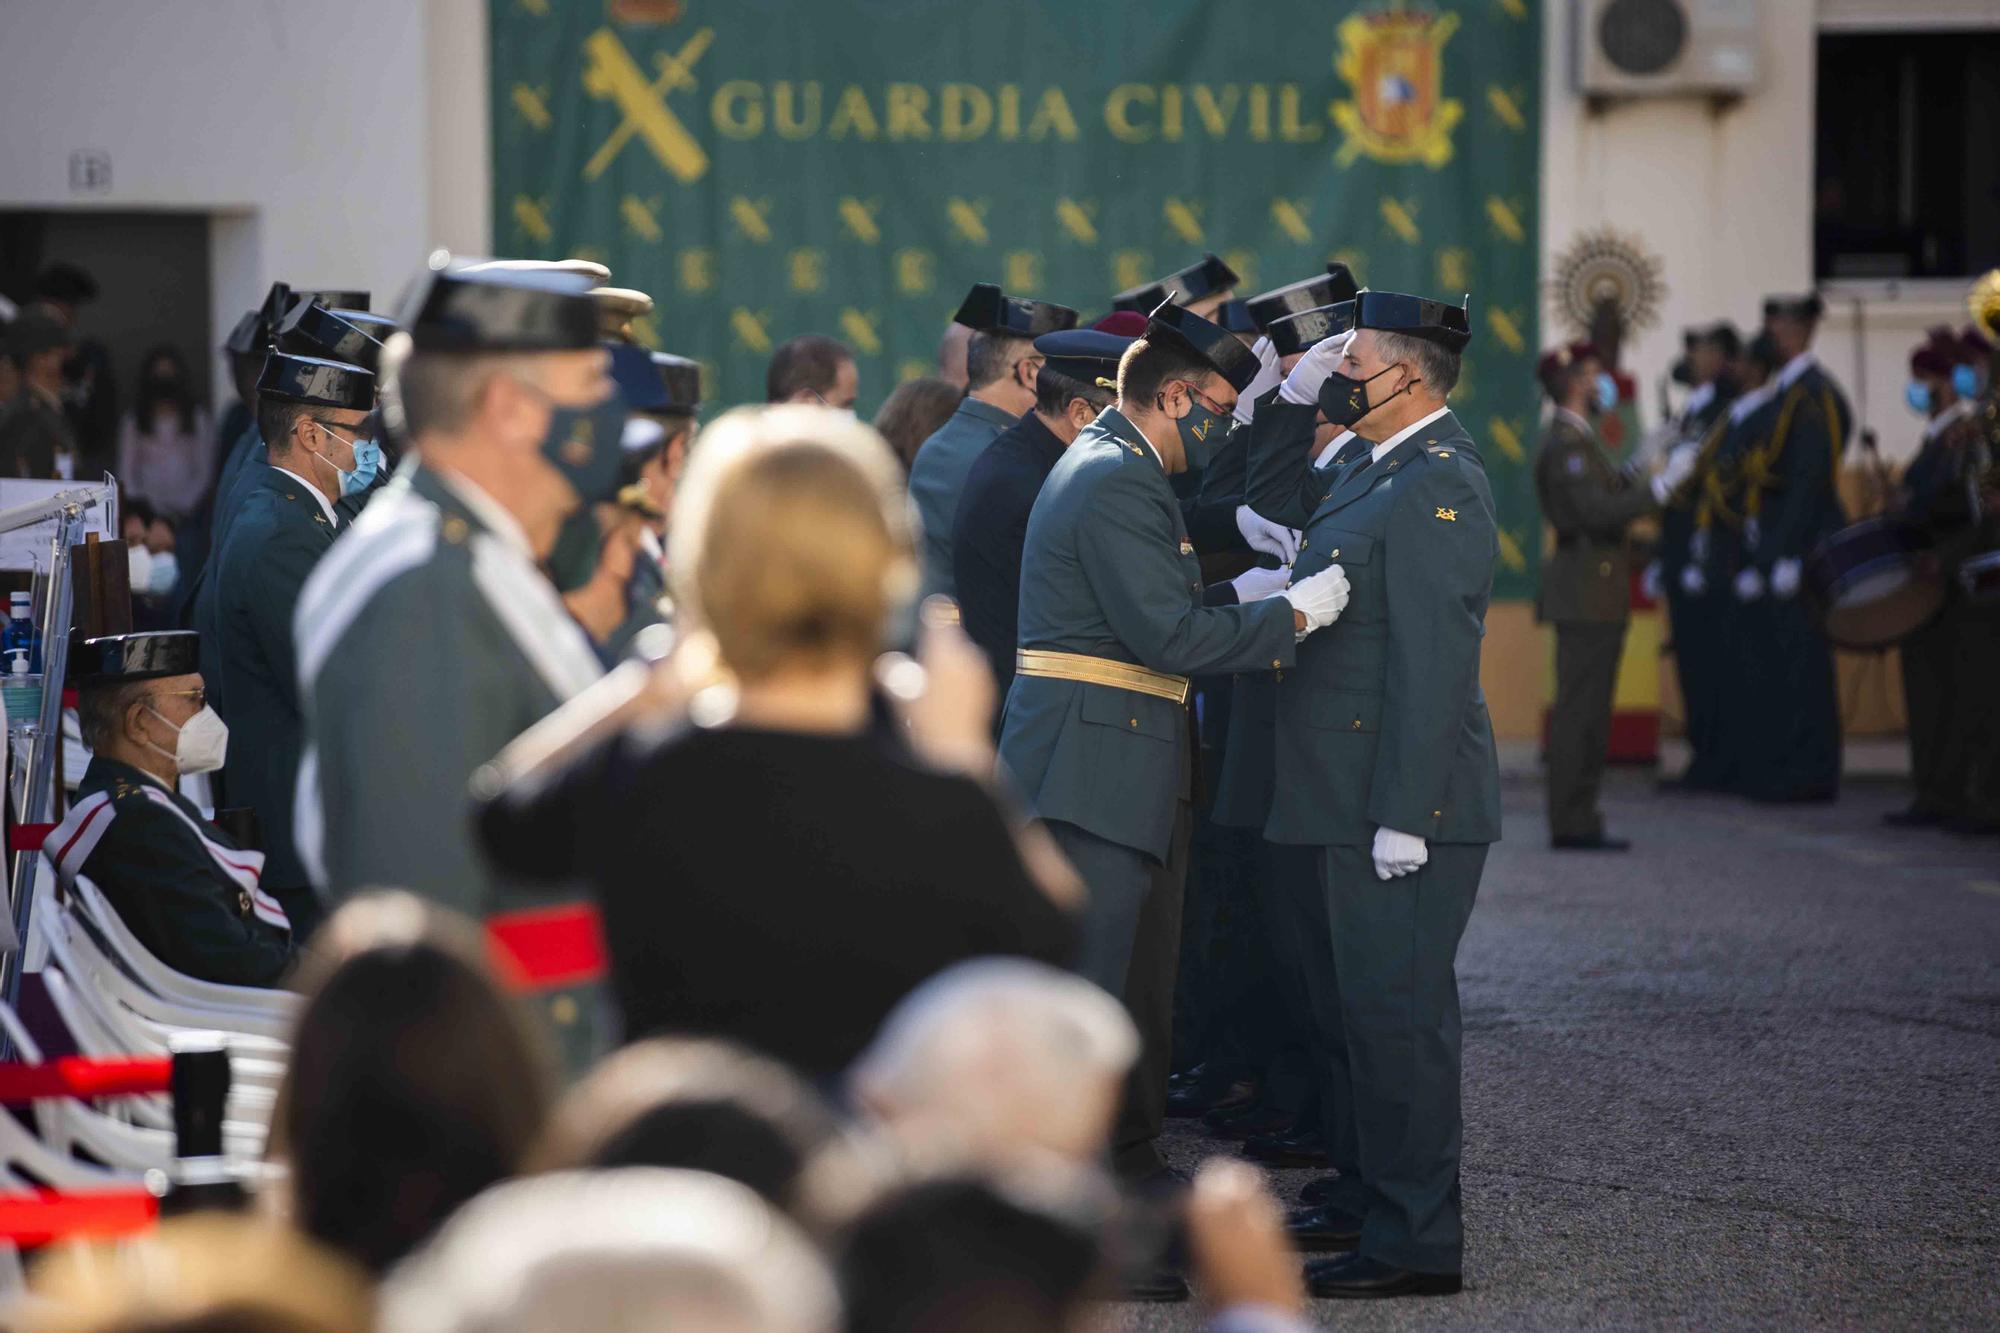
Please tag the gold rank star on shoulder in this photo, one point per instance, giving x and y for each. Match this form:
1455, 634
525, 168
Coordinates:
1448, 515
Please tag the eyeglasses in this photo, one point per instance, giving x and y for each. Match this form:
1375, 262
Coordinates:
200, 697
1205, 400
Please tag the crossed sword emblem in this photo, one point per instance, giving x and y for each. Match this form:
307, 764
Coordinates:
610, 72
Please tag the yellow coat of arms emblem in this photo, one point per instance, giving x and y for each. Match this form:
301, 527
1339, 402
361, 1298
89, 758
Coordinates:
1393, 61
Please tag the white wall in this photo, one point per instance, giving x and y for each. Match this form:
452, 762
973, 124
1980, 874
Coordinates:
1723, 195
336, 143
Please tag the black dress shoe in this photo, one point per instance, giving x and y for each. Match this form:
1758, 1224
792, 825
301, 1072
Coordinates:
1353, 1277
1596, 842
1195, 1099
1159, 1286
1319, 1230
1968, 826
1916, 816
1243, 1122
1320, 1189
1298, 1147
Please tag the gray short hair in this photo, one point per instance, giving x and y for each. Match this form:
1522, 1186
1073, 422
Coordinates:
1436, 364
438, 391
991, 357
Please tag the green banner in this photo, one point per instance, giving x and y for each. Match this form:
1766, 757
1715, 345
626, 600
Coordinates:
765, 169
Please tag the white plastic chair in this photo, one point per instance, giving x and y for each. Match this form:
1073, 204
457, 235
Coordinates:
88, 954
88, 902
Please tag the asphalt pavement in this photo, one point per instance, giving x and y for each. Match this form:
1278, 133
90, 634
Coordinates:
1746, 1075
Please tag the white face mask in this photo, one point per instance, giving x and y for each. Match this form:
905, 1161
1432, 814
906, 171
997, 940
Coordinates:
202, 744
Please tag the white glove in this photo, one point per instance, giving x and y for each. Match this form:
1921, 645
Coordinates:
1679, 467
1266, 380
1749, 586
1257, 583
1785, 577
1319, 597
1266, 536
1649, 581
1693, 582
1397, 854
1302, 386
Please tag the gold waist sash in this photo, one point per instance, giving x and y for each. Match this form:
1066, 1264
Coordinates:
1101, 671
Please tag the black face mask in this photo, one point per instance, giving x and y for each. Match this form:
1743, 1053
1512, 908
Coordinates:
1343, 400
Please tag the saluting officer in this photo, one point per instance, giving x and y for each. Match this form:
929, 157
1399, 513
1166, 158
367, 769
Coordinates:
1386, 765
1112, 624
429, 637
1285, 879
1586, 583
1076, 382
1000, 364
313, 413
180, 884
1790, 504
1699, 653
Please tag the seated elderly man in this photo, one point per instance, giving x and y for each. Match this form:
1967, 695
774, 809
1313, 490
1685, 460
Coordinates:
998, 1058
181, 885
622, 1251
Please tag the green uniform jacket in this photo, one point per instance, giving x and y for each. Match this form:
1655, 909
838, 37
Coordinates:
427, 640
278, 535
1109, 571
167, 887
412, 679
1382, 723
1250, 750
1589, 502
937, 475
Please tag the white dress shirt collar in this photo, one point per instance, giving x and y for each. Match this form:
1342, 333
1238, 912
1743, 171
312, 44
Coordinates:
1404, 434
1796, 367
1943, 420
1751, 401
326, 505
491, 514
1333, 448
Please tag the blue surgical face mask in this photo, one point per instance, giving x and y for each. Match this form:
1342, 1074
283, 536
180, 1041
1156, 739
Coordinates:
1607, 391
1965, 379
1918, 395
367, 463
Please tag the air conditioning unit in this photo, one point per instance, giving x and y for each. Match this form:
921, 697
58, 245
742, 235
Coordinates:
1665, 48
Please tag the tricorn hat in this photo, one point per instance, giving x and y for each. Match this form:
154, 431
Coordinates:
334, 298
681, 378
277, 302
1236, 317
313, 330
987, 309
1085, 355
1291, 334
1449, 326
1188, 285
114, 658
312, 379
1803, 305
456, 307
1295, 298
251, 335
1221, 350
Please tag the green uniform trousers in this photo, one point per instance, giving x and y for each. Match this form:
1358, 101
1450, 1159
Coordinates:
1131, 948
1395, 946
1587, 654
1927, 680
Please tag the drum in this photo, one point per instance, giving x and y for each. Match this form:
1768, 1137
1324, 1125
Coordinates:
1980, 577
1875, 583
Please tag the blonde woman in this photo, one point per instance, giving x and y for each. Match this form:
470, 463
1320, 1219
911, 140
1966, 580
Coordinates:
784, 857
